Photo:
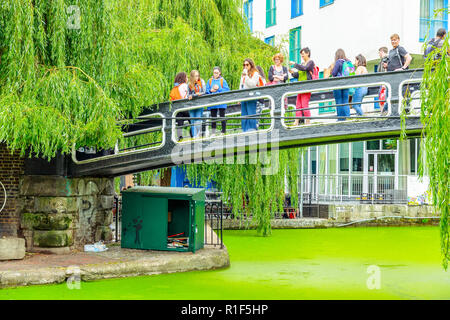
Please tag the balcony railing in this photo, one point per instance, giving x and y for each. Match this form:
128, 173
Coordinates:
362, 188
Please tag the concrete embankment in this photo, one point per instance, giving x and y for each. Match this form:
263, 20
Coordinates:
42, 269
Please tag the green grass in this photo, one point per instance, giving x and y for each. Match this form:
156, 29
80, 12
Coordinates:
291, 264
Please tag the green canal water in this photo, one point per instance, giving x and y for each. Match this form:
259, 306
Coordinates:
291, 264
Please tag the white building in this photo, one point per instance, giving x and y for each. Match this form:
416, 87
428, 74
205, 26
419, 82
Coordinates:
357, 26
377, 171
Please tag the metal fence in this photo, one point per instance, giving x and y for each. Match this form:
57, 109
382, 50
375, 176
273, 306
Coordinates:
364, 188
213, 231
213, 219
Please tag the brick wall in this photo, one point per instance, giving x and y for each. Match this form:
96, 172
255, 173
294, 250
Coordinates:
11, 168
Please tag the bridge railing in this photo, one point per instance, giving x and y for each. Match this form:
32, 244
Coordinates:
156, 129
363, 188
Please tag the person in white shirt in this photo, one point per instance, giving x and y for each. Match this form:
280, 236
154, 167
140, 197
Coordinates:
250, 79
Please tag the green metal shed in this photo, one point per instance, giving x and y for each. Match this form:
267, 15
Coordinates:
160, 218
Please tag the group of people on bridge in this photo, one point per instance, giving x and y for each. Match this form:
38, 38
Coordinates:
253, 76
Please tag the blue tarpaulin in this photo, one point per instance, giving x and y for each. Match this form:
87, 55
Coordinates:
179, 179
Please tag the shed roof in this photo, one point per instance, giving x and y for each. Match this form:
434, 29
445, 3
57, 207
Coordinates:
165, 190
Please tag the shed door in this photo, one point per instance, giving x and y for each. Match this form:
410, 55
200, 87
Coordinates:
154, 223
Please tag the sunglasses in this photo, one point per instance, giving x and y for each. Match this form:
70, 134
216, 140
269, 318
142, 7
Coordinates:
246, 64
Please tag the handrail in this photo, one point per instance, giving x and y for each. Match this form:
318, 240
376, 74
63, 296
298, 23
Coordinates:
277, 118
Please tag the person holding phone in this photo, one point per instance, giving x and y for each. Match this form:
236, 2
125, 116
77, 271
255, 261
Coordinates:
250, 79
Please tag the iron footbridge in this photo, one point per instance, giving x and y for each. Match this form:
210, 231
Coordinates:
167, 141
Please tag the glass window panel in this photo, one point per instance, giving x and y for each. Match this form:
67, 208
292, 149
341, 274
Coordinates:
313, 160
439, 4
371, 164
389, 144
425, 9
386, 164
305, 162
357, 156
332, 159
322, 167
332, 170
412, 155
343, 157
373, 145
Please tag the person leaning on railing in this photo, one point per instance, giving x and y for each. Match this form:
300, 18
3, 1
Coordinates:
382, 67
308, 67
360, 92
178, 92
398, 59
341, 95
217, 84
436, 44
197, 88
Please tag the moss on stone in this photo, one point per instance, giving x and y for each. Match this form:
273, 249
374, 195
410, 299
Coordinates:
52, 239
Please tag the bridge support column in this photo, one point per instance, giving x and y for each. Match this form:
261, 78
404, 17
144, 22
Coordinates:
58, 214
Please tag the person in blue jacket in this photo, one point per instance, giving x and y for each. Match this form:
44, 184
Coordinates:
217, 84
341, 95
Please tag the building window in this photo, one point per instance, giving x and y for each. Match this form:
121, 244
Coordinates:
270, 40
296, 8
373, 145
344, 153
357, 156
271, 13
248, 12
413, 156
324, 3
429, 23
294, 45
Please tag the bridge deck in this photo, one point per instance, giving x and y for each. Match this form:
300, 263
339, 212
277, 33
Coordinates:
275, 131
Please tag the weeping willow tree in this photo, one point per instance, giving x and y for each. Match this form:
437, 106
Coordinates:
70, 69
249, 190
435, 116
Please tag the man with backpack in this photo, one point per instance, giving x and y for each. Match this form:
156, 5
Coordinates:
398, 58
436, 43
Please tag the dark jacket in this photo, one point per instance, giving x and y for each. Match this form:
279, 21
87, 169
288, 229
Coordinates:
309, 68
285, 72
337, 71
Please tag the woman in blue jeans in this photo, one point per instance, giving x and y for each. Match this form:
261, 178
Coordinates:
250, 78
341, 95
361, 92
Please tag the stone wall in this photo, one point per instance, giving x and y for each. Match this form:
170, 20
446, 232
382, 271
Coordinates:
347, 213
62, 214
343, 214
11, 169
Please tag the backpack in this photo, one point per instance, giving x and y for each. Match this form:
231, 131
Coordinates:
431, 46
400, 58
221, 82
315, 73
260, 82
175, 93
348, 69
